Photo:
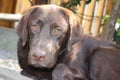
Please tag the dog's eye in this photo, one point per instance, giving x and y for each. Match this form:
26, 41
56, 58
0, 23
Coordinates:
39, 22
36, 26
56, 30
35, 29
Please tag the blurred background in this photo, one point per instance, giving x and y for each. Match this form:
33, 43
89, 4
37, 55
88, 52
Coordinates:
93, 15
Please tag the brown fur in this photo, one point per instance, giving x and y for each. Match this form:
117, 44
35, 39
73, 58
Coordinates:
26, 37
105, 64
77, 61
74, 48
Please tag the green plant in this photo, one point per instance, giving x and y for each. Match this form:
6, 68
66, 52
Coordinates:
117, 33
118, 30
71, 4
106, 19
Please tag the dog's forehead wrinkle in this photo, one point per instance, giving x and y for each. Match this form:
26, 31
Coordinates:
44, 33
45, 14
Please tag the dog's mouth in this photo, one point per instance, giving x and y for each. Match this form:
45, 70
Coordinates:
47, 61
39, 59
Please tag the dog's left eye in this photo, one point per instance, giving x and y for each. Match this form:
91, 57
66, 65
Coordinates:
56, 30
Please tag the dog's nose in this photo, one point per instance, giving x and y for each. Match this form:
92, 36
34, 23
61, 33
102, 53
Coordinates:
38, 56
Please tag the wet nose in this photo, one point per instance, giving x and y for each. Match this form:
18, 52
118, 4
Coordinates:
39, 56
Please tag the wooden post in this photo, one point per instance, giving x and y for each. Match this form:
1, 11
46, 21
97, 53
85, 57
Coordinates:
22, 6
57, 2
103, 27
89, 17
80, 10
7, 6
109, 6
99, 15
108, 11
111, 24
48, 1
65, 1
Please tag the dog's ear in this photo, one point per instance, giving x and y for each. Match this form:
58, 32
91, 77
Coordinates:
76, 31
22, 29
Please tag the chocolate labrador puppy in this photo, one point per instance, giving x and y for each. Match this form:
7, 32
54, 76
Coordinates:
50, 35
44, 34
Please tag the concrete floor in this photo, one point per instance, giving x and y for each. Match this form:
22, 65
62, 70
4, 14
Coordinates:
8, 39
9, 68
6, 74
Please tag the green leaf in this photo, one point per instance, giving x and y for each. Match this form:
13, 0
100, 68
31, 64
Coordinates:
75, 2
118, 20
106, 17
118, 32
88, 1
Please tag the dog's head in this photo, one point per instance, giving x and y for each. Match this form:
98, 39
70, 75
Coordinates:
48, 29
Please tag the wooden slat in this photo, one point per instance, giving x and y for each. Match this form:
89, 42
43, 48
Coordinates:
89, 17
57, 2
103, 27
110, 29
98, 18
48, 1
22, 6
109, 6
80, 10
7, 7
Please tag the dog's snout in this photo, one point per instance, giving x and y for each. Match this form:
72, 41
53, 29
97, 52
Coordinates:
39, 56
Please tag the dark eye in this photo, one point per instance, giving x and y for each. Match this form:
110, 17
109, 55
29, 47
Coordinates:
36, 26
56, 30
35, 29
39, 22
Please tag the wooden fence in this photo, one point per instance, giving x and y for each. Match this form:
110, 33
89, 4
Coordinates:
91, 15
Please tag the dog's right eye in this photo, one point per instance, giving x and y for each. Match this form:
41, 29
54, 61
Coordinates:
35, 29
36, 26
